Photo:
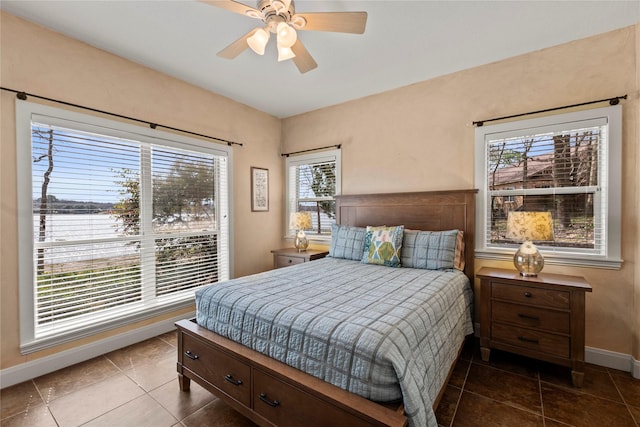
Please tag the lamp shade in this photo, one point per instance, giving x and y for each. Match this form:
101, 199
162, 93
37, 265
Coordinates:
285, 53
258, 41
300, 221
527, 226
286, 35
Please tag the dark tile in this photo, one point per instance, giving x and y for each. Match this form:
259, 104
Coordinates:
469, 348
143, 411
217, 414
35, 417
459, 374
636, 413
548, 422
505, 387
19, 398
67, 380
597, 381
509, 362
480, 411
448, 404
575, 408
181, 404
153, 349
90, 402
629, 387
154, 373
170, 338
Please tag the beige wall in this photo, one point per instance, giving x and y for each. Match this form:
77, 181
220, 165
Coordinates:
415, 138
41, 62
421, 137
636, 331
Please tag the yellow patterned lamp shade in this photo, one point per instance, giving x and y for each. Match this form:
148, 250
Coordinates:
300, 221
525, 227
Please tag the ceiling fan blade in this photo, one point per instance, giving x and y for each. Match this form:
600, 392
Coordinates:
234, 6
237, 47
340, 22
303, 59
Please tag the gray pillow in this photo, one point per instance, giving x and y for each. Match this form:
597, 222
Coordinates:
431, 250
347, 242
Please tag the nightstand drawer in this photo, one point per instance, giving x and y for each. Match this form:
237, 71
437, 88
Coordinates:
556, 345
533, 317
531, 295
285, 261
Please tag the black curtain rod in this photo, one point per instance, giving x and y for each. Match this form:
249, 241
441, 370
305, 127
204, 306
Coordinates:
338, 146
23, 96
612, 101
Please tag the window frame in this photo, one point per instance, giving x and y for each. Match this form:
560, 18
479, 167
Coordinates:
25, 112
307, 158
612, 170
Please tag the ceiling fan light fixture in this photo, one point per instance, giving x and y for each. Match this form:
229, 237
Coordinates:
280, 6
285, 53
286, 34
298, 22
258, 41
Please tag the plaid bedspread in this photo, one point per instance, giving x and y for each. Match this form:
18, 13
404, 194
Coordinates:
382, 333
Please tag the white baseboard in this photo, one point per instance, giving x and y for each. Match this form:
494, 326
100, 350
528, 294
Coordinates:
613, 360
35, 368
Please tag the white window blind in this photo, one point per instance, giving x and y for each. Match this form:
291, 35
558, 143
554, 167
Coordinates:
122, 225
560, 164
313, 181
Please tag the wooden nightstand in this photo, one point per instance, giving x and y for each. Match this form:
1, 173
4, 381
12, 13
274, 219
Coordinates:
540, 317
290, 256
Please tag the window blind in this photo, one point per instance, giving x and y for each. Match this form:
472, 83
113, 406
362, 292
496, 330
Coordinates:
560, 170
312, 184
120, 225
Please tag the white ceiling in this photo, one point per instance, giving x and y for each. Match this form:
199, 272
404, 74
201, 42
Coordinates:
404, 42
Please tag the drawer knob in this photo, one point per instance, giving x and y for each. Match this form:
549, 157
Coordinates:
527, 316
290, 261
272, 403
191, 355
528, 294
529, 340
229, 378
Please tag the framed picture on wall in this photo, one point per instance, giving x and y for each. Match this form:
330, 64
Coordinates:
259, 189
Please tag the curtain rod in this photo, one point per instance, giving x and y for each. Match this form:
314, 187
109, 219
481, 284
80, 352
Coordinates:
612, 101
23, 96
338, 146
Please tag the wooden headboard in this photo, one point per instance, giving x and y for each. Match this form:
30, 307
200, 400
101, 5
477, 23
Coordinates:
429, 210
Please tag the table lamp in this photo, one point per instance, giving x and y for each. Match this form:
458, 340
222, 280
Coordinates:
525, 227
300, 221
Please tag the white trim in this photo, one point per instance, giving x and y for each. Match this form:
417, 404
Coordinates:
611, 258
613, 360
35, 368
303, 159
28, 111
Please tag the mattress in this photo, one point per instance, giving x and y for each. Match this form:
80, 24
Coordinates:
383, 333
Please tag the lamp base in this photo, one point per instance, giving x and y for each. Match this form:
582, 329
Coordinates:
528, 260
301, 243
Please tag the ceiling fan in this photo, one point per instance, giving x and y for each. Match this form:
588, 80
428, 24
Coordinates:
280, 18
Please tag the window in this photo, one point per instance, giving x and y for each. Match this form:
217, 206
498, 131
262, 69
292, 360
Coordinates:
312, 182
117, 222
566, 164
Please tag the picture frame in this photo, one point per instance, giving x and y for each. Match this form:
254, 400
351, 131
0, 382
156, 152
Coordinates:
259, 189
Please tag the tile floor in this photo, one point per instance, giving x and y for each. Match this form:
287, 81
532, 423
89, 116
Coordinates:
137, 386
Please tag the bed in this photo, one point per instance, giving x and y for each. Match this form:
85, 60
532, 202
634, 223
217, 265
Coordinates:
235, 350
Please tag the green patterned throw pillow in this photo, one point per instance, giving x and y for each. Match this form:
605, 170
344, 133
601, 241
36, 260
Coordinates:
382, 245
